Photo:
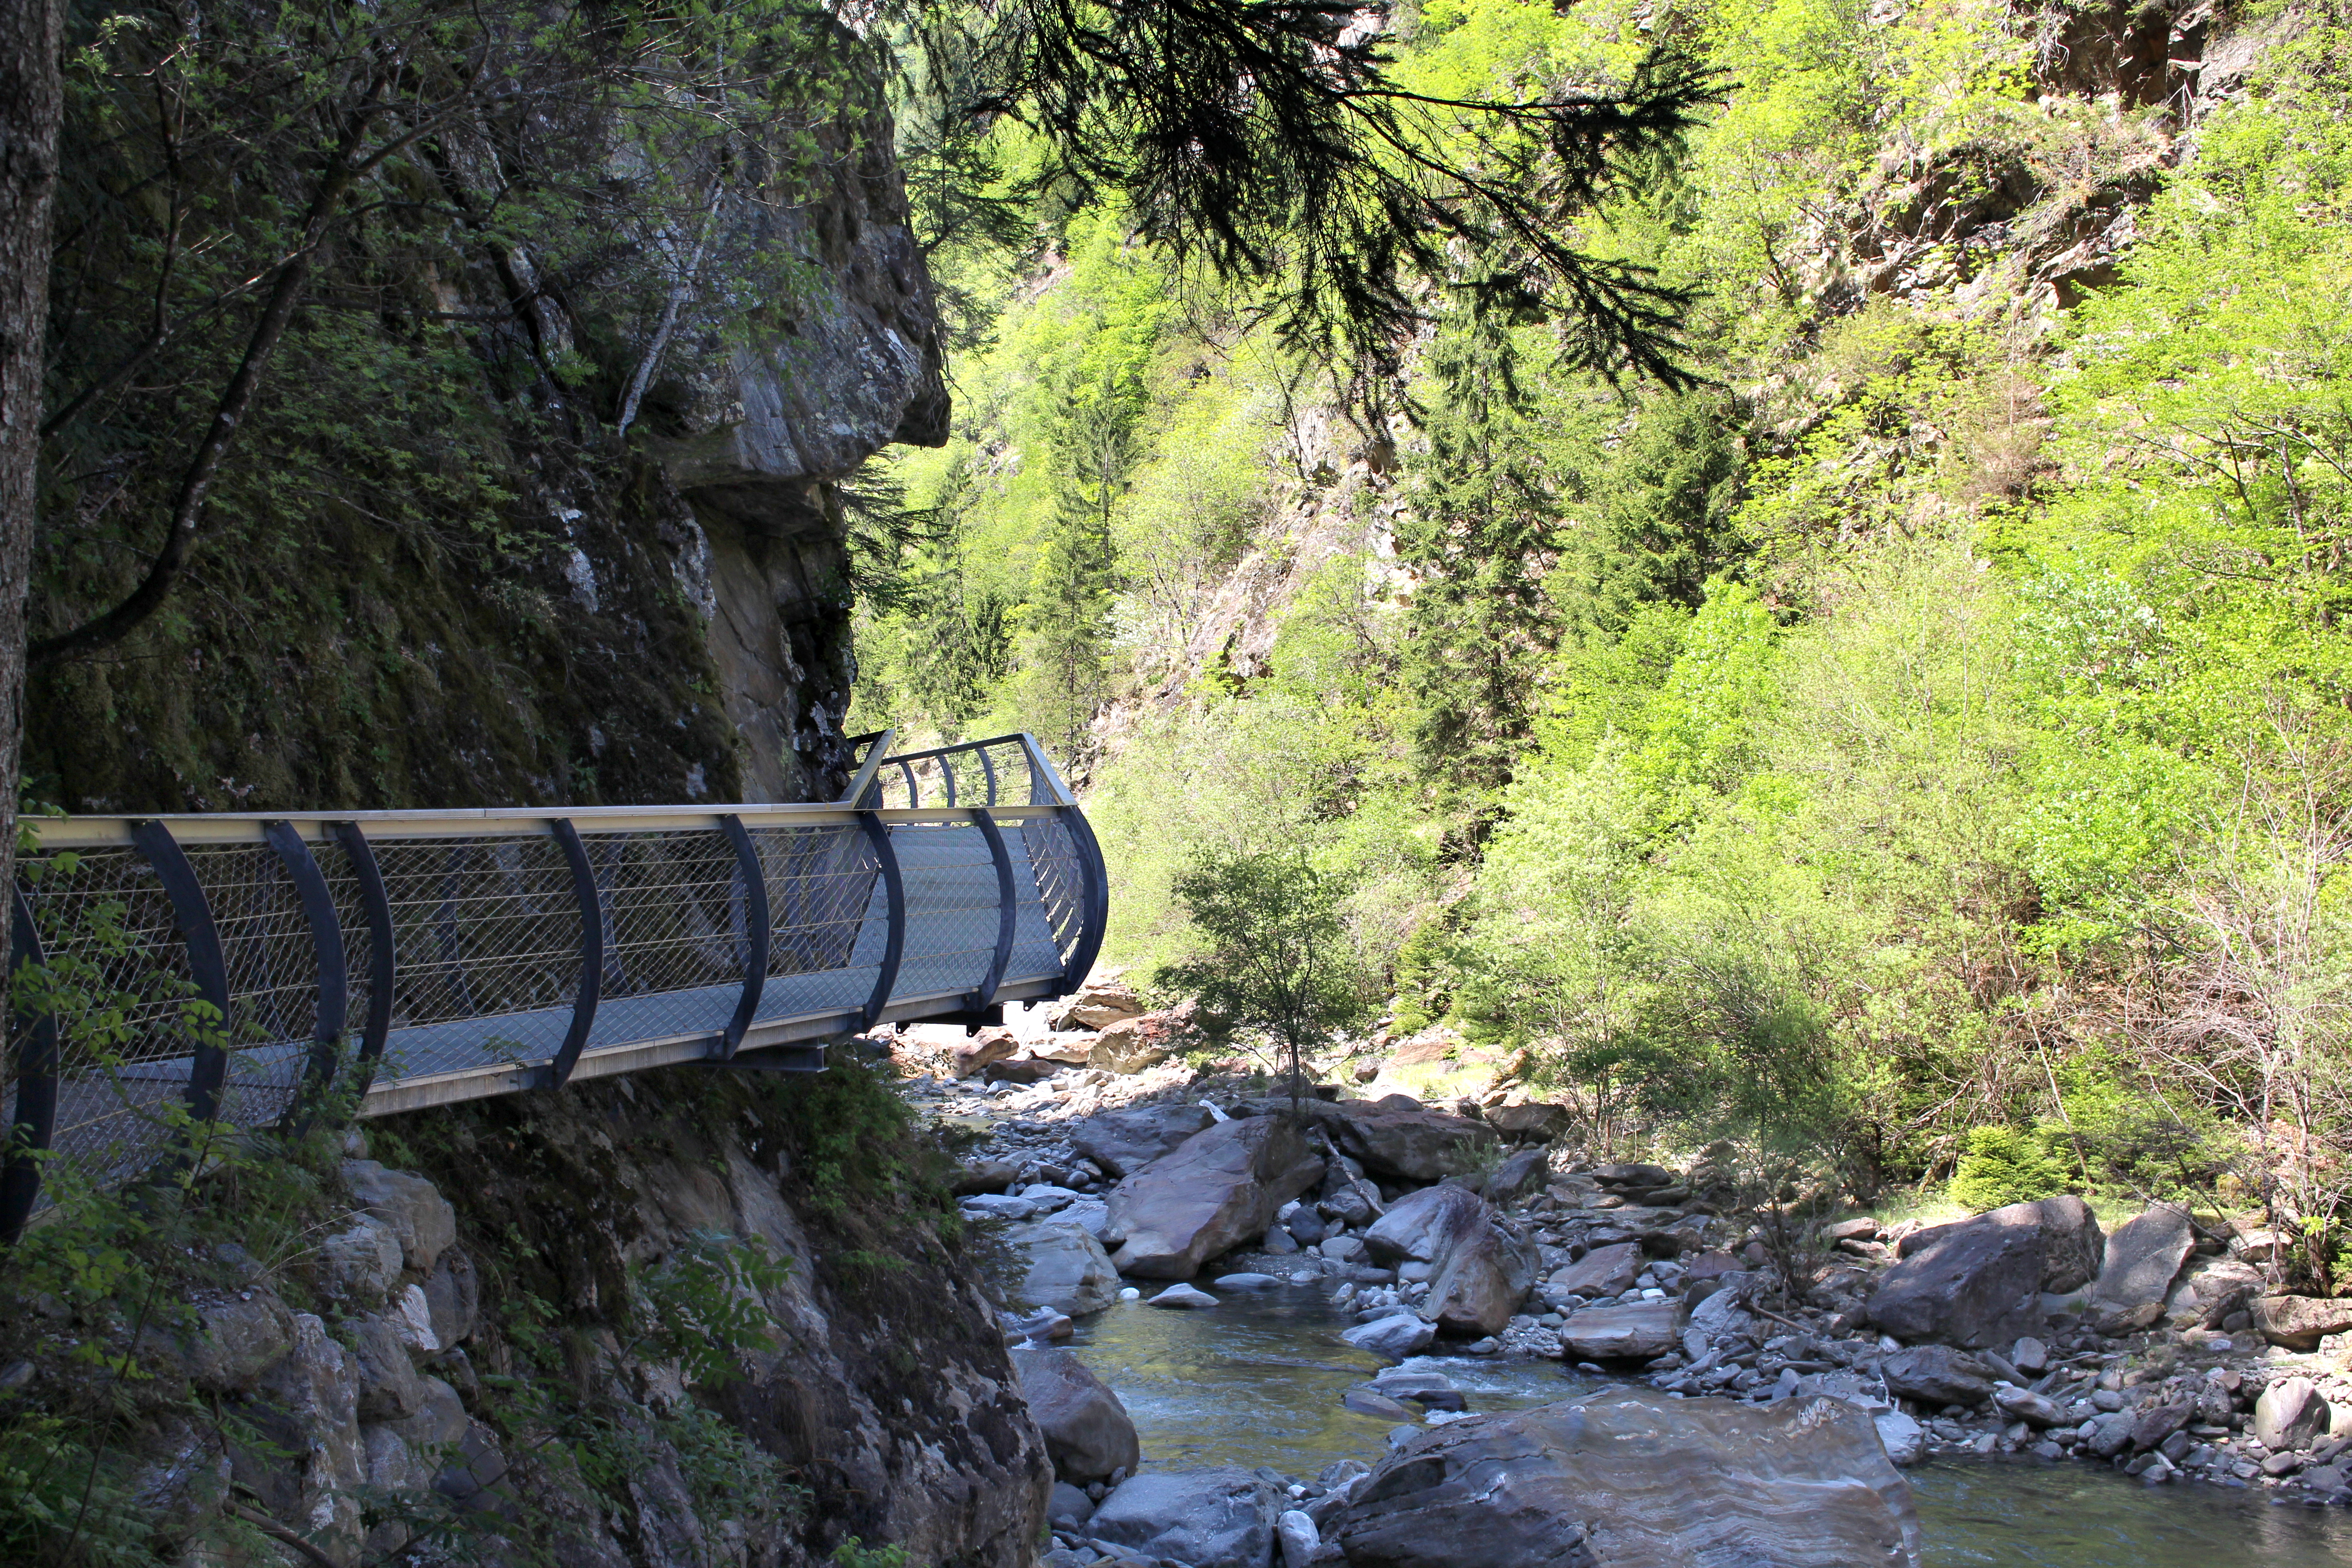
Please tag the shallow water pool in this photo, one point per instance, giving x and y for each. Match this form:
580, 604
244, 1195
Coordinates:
1257, 1381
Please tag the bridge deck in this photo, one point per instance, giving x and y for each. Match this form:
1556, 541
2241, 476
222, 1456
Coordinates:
240, 966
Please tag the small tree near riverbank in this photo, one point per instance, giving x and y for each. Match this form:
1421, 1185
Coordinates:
1274, 956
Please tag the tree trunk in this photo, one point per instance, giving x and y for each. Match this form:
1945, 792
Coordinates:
31, 104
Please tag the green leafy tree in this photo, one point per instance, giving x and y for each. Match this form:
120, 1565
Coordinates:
1273, 952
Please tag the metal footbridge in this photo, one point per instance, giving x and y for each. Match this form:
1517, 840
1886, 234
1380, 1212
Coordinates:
241, 968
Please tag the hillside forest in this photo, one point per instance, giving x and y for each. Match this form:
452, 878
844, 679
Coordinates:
1904, 732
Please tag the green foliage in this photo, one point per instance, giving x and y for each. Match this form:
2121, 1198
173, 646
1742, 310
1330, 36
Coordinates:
854, 1553
703, 1305
2002, 1165
1272, 956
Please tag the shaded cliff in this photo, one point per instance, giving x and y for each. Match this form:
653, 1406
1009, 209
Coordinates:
435, 570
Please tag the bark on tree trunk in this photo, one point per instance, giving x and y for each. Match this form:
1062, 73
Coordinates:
31, 104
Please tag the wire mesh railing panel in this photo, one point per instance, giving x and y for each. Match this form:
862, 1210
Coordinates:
125, 1000
953, 906
273, 977
1037, 953
828, 916
677, 934
975, 774
1058, 868
487, 937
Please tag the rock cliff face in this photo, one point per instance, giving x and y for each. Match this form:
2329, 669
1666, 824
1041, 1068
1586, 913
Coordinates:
582, 614
666, 1322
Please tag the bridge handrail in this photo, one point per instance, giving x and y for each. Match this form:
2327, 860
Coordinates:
643, 936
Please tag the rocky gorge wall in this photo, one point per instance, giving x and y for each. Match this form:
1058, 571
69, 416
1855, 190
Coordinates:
484, 591
680, 1320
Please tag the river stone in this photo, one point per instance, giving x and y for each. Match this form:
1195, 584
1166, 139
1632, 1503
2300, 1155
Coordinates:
1633, 1477
419, 1215
1603, 1271
1134, 1045
1104, 999
1394, 1337
1936, 1373
1635, 1333
2033, 1409
1068, 1505
1124, 1141
1420, 1145
982, 1051
1297, 1539
1247, 1282
1183, 1297
2073, 1250
1218, 1189
1206, 1518
1086, 1429
1904, 1440
2300, 1322
2153, 1425
1372, 1402
1068, 1269
2143, 1255
1975, 1283
2111, 1434
2290, 1414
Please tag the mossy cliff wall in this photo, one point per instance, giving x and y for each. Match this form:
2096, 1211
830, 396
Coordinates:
436, 573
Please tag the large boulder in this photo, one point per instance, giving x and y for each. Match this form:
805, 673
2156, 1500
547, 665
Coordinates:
1632, 1477
1975, 1283
1207, 1519
1417, 1145
1523, 1173
2292, 1413
2073, 1250
1603, 1271
1132, 1044
2142, 1256
1480, 1282
1529, 1123
1123, 1142
1480, 1272
1937, 1374
1068, 1269
1218, 1189
2210, 1290
1634, 1332
2300, 1322
1086, 1429
1104, 999
981, 1051
1421, 1227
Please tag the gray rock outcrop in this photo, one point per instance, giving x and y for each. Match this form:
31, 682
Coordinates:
2292, 1413
1633, 1477
1937, 1374
1208, 1519
2300, 1322
1419, 1145
1067, 1269
1636, 1331
1216, 1190
1975, 1283
1124, 1141
2142, 1258
1086, 1429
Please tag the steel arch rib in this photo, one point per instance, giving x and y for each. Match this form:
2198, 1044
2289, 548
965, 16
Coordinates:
757, 933
1098, 899
894, 893
383, 957
35, 1118
327, 943
208, 1069
1004, 908
592, 950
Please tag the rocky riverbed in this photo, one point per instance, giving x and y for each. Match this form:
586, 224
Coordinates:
2155, 1352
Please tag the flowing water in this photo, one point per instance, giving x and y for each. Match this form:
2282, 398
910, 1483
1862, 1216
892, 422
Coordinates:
1257, 1381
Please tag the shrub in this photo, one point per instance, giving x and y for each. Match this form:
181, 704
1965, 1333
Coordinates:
2003, 1165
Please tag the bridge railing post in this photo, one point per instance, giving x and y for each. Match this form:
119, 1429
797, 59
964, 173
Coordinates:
36, 1115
